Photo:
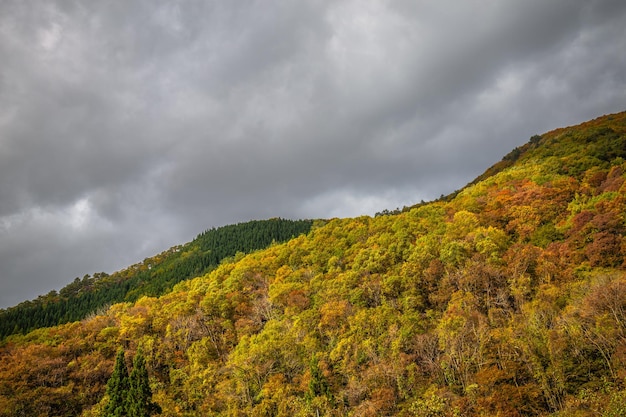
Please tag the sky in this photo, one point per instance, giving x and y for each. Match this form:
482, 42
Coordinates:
129, 126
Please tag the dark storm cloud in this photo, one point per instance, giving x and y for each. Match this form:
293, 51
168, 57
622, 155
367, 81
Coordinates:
130, 126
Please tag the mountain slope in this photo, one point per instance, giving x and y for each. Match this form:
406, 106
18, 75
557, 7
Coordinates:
507, 299
153, 276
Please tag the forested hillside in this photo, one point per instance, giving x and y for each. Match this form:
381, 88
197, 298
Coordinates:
506, 299
152, 277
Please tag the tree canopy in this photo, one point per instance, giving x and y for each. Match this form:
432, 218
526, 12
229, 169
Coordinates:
153, 276
507, 298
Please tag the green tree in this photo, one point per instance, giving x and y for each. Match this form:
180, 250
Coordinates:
117, 388
318, 386
139, 400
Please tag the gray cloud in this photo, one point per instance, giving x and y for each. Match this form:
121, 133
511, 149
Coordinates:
129, 126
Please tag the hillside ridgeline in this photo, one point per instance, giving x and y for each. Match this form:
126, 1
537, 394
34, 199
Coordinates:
506, 299
153, 276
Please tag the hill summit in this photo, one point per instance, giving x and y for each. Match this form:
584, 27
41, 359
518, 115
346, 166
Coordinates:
508, 298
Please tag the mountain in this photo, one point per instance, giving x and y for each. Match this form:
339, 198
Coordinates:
506, 298
153, 276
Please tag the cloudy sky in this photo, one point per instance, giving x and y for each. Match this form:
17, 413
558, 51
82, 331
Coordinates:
127, 127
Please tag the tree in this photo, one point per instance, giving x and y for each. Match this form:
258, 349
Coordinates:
117, 388
318, 386
139, 400
130, 395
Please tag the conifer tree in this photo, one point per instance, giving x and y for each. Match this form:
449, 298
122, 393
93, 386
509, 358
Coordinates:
117, 388
139, 398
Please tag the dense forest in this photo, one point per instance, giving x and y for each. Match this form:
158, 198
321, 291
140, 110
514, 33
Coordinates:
507, 298
152, 277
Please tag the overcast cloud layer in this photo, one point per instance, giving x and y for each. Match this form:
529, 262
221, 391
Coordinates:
127, 127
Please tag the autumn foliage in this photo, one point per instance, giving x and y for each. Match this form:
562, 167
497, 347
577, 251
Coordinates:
506, 299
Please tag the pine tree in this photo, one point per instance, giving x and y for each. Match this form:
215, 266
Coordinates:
117, 388
139, 400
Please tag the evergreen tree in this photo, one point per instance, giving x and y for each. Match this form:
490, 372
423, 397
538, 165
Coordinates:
139, 400
117, 388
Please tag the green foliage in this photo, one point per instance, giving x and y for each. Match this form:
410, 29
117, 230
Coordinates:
154, 276
431, 405
117, 388
617, 405
139, 399
129, 395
